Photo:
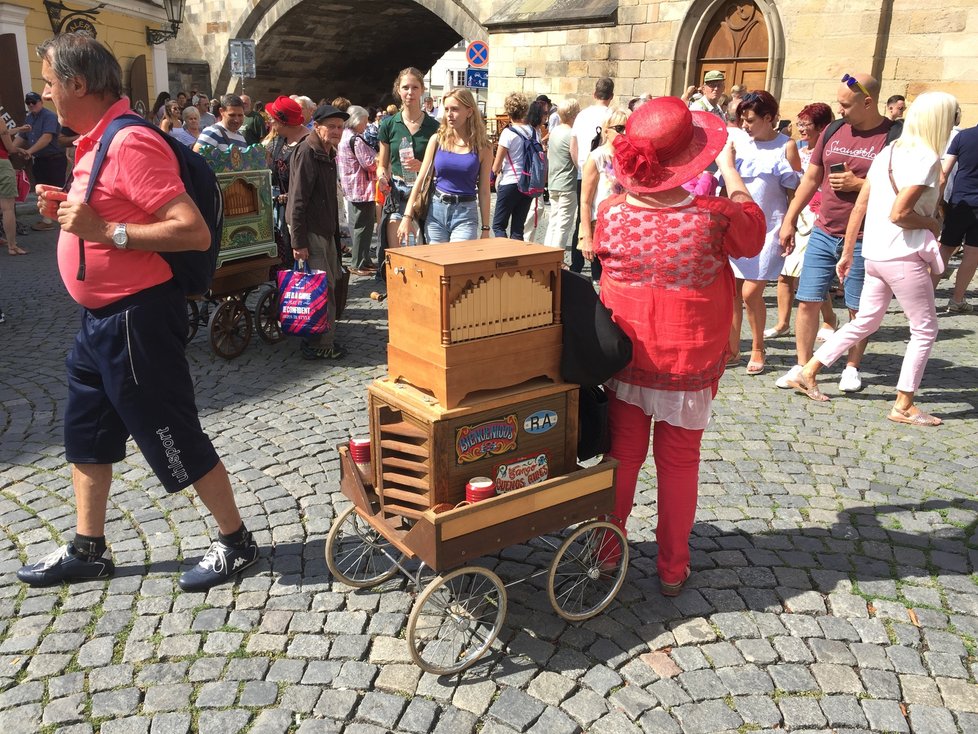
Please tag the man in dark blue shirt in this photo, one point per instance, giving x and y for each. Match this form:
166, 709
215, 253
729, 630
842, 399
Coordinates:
49, 164
961, 224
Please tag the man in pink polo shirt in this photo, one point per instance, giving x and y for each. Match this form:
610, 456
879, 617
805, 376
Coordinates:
127, 371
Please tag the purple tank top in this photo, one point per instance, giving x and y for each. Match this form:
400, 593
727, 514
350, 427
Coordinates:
457, 173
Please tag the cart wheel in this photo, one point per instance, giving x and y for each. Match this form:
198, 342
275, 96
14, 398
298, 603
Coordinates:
193, 319
357, 554
230, 328
580, 584
266, 317
456, 619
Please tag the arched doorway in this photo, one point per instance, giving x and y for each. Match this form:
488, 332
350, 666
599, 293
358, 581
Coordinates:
736, 43
744, 39
11, 88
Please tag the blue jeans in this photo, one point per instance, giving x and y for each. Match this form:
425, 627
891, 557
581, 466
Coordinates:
511, 210
818, 269
452, 222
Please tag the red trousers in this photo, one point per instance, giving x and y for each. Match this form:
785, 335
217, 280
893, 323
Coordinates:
676, 452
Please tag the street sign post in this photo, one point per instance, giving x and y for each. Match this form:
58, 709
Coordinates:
477, 78
477, 54
242, 52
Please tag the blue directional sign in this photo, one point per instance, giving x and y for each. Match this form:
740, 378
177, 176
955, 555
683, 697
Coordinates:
477, 54
477, 78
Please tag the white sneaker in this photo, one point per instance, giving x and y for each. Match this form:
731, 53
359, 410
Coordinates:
789, 376
850, 380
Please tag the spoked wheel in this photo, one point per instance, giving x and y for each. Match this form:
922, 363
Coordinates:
266, 317
456, 619
193, 319
230, 328
587, 571
355, 552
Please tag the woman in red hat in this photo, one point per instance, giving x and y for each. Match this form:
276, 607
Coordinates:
667, 278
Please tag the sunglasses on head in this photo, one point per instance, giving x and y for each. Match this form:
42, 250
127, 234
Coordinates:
851, 81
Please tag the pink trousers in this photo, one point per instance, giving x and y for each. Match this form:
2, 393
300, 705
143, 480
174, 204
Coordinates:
676, 452
909, 280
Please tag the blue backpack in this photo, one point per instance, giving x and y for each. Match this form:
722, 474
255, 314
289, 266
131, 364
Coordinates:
532, 180
193, 270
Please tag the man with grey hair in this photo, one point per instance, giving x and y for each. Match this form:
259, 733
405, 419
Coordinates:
254, 128
357, 162
127, 370
225, 132
203, 104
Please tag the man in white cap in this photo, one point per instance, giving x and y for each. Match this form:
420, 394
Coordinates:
710, 93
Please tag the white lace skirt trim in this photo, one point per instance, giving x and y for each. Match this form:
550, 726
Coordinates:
689, 409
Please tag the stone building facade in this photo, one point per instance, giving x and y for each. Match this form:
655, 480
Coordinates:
798, 49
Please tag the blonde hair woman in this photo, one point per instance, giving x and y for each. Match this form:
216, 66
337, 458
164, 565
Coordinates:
462, 158
396, 170
598, 182
899, 203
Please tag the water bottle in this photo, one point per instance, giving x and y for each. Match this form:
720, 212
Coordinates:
406, 152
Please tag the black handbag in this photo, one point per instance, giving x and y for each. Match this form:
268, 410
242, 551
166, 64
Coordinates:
593, 437
595, 348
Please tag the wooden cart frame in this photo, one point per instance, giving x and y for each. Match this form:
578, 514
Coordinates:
459, 614
226, 313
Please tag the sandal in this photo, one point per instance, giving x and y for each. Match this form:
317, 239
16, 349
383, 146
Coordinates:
755, 367
913, 416
774, 332
733, 360
810, 391
15, 250
674, 589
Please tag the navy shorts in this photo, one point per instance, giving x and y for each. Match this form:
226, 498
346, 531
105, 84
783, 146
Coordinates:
128, 376
960, 226
818, 269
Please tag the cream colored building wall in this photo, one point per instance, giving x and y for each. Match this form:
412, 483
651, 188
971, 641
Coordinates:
121, 27
821, 41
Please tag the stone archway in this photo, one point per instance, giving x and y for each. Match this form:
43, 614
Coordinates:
299, 42
699, 29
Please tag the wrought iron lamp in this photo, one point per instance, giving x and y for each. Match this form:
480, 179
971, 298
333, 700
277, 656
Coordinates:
174, 14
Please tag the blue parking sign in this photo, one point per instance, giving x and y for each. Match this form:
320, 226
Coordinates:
477, 78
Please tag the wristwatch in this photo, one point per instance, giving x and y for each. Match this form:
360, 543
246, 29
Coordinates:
119, 236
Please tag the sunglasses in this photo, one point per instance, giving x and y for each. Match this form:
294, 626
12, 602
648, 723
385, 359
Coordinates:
851, 81
617, 128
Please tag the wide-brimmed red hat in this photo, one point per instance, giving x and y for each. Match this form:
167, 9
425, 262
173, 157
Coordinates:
286, 110
665, 145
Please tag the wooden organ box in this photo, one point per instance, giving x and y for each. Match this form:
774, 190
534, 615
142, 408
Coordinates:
477, 315
423, 454
246, 183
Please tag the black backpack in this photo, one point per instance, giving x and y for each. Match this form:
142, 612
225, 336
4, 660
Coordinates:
193, 270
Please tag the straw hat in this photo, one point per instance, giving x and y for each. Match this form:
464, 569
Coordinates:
665, 145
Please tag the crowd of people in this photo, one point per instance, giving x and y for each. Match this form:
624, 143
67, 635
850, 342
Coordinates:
685, 209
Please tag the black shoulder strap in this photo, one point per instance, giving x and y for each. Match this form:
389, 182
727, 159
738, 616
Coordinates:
831, 129
895, 131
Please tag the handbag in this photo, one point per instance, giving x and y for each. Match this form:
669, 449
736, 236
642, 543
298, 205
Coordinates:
593, 437
425, 187
594, 346
23, 186
341, 291
303, 296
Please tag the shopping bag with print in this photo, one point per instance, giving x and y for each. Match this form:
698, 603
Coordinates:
302, 296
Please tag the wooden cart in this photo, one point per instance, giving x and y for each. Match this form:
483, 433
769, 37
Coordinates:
458, 615
225, 310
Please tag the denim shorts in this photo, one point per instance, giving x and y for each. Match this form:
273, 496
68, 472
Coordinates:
397, 199
452, 222
821, 257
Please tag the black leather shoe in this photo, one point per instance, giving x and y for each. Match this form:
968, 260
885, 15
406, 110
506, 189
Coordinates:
221, 563
65, 565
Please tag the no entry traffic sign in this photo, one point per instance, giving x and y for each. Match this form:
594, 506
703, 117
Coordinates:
477, 54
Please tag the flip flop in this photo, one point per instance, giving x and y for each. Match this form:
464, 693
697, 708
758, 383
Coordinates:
810, 391
15, 250
920, 418
675, 589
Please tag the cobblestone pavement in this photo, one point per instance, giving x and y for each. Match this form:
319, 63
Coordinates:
834, 557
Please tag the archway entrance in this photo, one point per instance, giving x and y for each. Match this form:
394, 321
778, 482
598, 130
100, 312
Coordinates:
735, 41
11, 88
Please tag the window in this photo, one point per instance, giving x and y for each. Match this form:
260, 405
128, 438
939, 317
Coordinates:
459, 78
